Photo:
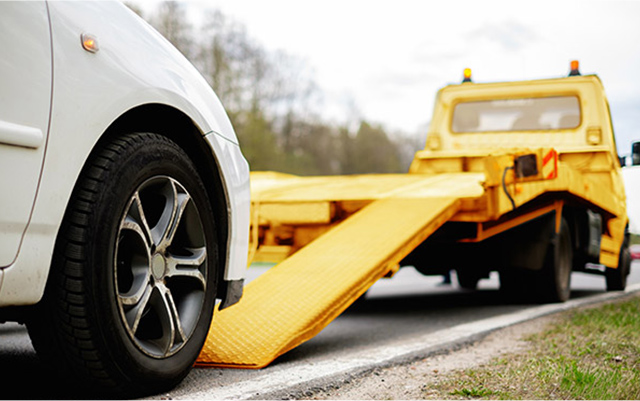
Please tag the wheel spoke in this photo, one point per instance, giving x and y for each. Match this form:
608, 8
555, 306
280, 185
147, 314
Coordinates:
188, 266
178, 334
136, 220
130, 224
139, 303
172, 331
182, 201
133, 254
168, 209
135, 297
176, 201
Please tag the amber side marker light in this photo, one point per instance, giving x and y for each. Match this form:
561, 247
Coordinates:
575, 68
89, 43
466, 75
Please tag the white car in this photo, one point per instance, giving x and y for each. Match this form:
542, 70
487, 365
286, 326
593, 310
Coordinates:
124, 211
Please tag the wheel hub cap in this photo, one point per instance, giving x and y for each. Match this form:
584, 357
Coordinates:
158, 266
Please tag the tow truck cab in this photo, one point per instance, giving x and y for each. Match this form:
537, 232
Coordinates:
542, 124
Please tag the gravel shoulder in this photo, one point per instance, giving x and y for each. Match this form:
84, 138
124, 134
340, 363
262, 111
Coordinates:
408, 382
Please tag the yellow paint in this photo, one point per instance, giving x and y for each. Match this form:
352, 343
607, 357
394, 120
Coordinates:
297, 213
335, 236
296, 299
487, 230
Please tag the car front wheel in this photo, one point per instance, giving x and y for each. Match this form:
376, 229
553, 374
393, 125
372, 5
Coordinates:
131, 290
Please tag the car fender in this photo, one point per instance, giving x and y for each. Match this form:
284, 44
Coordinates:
133, 67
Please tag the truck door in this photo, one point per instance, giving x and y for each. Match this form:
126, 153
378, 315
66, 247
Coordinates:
25, 100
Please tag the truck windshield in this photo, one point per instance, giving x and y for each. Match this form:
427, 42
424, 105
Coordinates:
523, 114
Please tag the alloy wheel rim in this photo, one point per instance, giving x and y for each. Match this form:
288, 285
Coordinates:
160, 267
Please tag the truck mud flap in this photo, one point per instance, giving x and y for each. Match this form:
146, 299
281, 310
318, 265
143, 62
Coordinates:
295, 300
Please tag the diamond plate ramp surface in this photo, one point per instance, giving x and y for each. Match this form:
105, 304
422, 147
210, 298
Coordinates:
295, 300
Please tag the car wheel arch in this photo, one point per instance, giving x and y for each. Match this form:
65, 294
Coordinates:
180, 128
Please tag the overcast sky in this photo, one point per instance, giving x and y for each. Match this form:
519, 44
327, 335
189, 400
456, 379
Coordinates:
388, 58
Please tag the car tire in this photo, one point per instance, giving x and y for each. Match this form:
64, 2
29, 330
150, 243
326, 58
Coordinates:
132, 286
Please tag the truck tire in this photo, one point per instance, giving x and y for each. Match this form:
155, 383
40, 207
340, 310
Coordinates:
617, 278
132, 286
554, 279
467, 279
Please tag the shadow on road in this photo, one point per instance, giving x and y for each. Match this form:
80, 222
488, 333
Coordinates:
439, 302
24, 376
373, 320
382, 320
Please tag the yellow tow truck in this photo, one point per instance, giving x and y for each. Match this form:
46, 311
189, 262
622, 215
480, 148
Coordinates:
521, 178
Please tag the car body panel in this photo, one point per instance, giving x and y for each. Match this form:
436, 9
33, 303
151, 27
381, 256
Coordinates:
24, 115
237, 183
134, 66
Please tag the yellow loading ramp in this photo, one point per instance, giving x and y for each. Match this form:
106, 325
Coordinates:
295, 300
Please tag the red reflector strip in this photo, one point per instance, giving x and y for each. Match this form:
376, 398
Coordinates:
550, 165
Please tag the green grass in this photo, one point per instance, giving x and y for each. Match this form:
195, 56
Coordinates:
473, 392
592, 354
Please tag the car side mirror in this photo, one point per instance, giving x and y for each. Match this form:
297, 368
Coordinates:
623, 161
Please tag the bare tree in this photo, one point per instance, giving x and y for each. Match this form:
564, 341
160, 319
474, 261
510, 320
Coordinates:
171, 21
271, 99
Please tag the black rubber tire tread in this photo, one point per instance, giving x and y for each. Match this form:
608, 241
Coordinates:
63, 326
552, 284
467, 280
617, 278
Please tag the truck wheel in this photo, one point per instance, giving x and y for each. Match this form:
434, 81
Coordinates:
467, 280
132, 287
617, 278
554, 280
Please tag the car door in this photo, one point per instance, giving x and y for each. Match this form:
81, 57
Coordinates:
25, 100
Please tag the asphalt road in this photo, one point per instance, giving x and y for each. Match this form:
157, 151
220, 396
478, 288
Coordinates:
394, 311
